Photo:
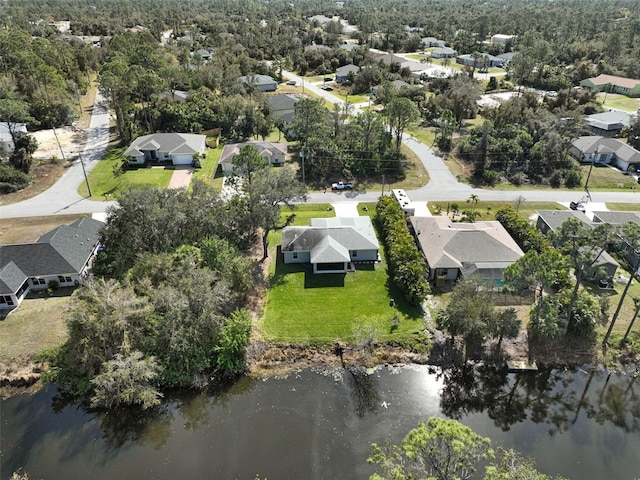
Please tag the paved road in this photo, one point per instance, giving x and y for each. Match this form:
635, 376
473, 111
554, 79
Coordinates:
63, 197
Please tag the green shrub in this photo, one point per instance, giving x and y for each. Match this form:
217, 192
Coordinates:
12, 179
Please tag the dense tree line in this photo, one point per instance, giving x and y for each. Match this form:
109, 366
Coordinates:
406, 264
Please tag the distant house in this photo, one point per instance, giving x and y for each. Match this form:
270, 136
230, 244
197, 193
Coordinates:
501, 38
273, 154
455, 250
63, 255
282, 106
484, 61
398, 84
349, 47
177, 148
205, 54
342, 73
386, 58
316, 48
6, 140
331, 245
609, 151
174, 96
321, 19
444, 52
263, 83
507, 57
613, 84
608, 124
429, 42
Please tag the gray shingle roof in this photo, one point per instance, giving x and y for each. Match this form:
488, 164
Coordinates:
283, 101
268, 149
11, 278
590, 143
555, 218
258, 79
347, 69
171, 143
62, 251
616, 218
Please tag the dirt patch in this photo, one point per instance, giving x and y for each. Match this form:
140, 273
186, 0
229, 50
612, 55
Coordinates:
29, 229
44, 173
62, 143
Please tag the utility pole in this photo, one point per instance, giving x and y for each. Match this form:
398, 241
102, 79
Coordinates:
383, 184
85, 173
586, 183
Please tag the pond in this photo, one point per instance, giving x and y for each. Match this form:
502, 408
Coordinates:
319, 425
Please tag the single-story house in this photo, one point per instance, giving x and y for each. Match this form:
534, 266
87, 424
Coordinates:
455, 250
6, 140
444, 52
63, 255
485, 60
282, 106
322, 19
398, 84
386, 58
429, 42
205, 54
263, 83
609, 151
502, 38
618, 218
342, 73
608, 124
350, 47
273, 154
177, 148
613, 84
331, 245
550, 220
173, 96
316, 48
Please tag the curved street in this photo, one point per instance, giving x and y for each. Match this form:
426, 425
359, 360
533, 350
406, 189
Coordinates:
63, 198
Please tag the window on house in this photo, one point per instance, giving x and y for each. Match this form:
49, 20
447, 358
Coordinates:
295, 255
6, 299
67, 279
354, 253
60, 279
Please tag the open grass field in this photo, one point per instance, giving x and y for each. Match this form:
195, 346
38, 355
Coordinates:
606, 178
305, 308
107, 186
624, 207
37, 324
29, 229
621, 102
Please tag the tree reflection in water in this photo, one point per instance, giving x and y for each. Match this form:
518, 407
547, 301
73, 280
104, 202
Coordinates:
553, 396
364, 390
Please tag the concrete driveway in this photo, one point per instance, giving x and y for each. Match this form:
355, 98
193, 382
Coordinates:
181, 177
346, 209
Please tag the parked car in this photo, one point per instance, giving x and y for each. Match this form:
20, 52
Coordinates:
327, 88
328, 79
291, 82
579, 206
341, 186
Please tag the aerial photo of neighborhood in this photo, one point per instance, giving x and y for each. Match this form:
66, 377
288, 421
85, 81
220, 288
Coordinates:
287, 239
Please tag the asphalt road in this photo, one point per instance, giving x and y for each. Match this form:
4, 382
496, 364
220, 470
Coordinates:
63, 198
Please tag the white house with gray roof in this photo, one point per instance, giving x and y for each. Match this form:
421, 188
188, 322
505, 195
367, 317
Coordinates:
331, 245
262, 83
608, 124
454, 250
177, 148
63, 255
609, 151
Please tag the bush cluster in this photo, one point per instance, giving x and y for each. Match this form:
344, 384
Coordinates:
12, 179
406, 264
525, 235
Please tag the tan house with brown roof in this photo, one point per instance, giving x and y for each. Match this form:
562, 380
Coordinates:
454, 250
613, 84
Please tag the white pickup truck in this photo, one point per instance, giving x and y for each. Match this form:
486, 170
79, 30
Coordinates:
341, 186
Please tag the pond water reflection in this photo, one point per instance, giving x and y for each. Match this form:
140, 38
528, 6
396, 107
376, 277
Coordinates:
583, 425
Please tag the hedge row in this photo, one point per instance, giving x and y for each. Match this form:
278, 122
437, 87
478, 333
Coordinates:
406, 264
525, 235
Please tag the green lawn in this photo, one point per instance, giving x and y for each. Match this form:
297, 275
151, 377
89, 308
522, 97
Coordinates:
487, 209
207, 173
106, 186
606, 178
305, 308
621, 102
623, 207
353, 99
425, 135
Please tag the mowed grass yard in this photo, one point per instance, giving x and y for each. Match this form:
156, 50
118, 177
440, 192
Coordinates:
302, 307
38, 323
105, 185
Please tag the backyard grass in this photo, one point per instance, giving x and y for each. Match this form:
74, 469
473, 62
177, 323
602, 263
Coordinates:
621, 102
488, 209
37, 324
29, 229
206, 174
606, 178
305, 308
107, 186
